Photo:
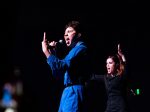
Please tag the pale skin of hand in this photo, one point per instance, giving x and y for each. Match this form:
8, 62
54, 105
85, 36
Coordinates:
121, 54
45, 45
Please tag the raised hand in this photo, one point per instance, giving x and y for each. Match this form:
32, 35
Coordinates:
44, 43
119, 50
121, 55
45, 46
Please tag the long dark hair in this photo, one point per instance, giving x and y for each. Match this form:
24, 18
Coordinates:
118, 62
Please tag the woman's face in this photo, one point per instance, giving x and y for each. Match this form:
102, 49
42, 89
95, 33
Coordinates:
69, 35
110, 65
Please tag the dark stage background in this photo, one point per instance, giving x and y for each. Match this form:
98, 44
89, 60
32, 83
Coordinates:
105, 24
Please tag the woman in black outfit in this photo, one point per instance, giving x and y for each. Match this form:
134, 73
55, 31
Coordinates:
115, 82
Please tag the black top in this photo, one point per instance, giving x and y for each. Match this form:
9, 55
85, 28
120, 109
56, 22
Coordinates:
116, 92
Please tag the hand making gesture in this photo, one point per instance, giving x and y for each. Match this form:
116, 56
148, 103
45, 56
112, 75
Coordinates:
45, 46
120, 54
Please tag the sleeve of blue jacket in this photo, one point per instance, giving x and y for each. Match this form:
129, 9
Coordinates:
61, 66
